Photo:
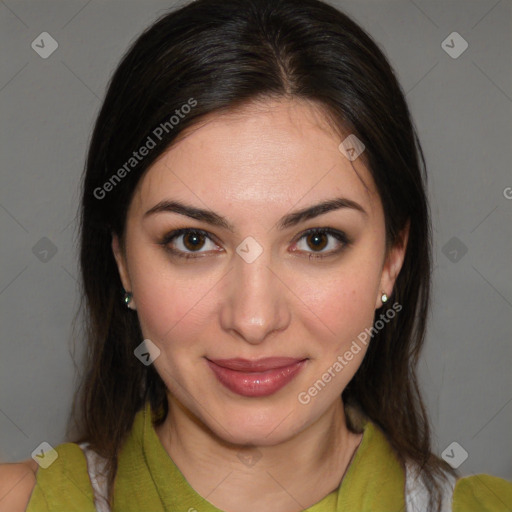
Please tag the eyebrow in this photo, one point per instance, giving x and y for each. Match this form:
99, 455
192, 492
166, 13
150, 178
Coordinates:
289, 220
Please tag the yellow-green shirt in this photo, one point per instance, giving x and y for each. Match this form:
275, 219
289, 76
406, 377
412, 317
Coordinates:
148, 481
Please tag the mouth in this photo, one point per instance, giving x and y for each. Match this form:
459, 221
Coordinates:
258, 378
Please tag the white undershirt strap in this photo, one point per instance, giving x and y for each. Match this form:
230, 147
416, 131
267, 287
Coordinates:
416, 493
95, 468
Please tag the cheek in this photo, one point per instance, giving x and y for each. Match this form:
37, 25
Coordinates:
341, 307
171, 304
348, 299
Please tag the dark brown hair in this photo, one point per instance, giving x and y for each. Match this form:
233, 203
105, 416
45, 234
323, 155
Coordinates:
224, 54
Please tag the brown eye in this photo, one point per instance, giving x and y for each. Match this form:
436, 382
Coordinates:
317, 241
189, 243
193, 241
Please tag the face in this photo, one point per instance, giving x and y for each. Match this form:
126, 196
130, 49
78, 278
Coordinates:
250, 304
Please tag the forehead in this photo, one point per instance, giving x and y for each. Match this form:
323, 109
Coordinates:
268, 155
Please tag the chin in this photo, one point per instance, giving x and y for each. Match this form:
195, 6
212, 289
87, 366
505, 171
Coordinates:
267, 427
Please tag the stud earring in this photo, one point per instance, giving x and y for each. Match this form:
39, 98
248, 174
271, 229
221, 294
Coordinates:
127, 299
383, 297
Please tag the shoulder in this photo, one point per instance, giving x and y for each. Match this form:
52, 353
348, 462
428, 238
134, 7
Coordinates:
17, 481
482, 493
59, 481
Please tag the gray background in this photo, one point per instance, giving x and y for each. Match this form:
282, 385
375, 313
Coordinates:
461, 106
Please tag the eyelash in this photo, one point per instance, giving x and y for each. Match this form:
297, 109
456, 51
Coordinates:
339, 235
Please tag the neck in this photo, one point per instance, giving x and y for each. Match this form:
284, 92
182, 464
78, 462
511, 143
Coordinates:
289, 476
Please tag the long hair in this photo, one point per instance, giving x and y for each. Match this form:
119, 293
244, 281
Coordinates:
214, 56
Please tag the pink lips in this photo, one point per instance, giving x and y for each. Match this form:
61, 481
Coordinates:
259, 378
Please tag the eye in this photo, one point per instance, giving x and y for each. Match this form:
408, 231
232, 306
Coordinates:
187, 242
318, 239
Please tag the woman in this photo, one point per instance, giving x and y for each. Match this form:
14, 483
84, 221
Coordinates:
255, 256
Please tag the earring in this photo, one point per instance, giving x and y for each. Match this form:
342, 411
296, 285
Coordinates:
127, 299
383, 297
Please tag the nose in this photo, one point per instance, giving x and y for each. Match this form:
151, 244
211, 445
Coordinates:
255, 304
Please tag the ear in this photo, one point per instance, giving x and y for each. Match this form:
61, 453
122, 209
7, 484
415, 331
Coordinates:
121, 265
392, 265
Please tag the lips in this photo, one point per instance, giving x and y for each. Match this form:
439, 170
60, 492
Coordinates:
259, 378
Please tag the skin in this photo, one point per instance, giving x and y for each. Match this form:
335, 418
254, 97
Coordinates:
253, 166
17, 481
